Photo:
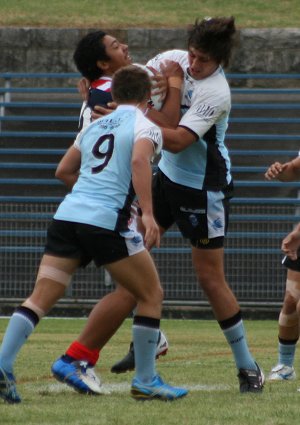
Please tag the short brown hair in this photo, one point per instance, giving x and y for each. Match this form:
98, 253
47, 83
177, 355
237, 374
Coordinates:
131, 83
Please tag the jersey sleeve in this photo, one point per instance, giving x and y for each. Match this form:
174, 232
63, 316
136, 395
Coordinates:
77, 141
85, 117
174, 55
145, 129
207, 107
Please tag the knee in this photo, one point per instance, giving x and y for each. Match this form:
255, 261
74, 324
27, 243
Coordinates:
154, 295
289, 303
292, 296
125, 296
208, 278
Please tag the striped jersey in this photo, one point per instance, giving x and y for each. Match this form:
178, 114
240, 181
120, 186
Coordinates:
99, 94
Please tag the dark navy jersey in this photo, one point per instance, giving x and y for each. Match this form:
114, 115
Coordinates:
99, 94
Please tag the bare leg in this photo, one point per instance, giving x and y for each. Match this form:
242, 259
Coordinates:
209, 266
288, 330
106, 318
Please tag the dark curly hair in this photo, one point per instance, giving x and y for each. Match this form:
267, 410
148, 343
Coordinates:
214, 36
89, 50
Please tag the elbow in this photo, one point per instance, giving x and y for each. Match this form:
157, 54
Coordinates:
139, 163
58, 174
172, 147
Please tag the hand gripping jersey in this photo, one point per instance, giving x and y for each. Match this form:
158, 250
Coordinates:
99, 94
103, 193
205, 107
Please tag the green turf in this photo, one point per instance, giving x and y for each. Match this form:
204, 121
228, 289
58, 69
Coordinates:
198, 358
154, 13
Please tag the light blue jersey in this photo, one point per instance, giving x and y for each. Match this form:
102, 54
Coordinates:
205, 107
103, 193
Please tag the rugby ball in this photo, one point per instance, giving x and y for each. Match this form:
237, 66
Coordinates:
155, 100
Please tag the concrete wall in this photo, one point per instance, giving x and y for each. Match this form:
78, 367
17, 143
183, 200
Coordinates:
50, 50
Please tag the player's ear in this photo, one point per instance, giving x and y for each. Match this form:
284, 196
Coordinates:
104, 65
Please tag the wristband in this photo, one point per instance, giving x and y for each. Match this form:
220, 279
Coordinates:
175, 82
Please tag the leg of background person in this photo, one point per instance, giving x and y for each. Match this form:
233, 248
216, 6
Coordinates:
288, 330
209, 266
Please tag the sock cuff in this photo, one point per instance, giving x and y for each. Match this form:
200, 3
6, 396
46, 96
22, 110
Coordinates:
287, 341
29, 314
79, 351
148, 322
232, 321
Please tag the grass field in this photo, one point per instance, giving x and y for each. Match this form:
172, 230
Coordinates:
154, 13
198, 359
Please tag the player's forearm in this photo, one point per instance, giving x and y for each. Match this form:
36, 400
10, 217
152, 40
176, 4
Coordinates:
142, 183
171, 106
169, 115
177, 140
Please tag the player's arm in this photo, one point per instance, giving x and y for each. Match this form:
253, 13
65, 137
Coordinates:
142, 182
68, 168
288, 171
169, 115
291, 243
179, 139
83, 88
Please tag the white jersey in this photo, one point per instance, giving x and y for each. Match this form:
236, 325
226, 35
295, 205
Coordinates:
205, 107
103, 193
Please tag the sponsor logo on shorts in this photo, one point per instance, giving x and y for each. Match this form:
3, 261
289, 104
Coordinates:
193, 210
136, 240
193, 220
203, 241
217, 224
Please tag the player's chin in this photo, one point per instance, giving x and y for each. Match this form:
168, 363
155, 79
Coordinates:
196, 75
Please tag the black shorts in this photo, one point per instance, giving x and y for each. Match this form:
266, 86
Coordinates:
77, 240
292, 264
201, 215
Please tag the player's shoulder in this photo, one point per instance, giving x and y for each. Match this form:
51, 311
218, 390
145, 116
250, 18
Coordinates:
102, 83
214, 84
176, 55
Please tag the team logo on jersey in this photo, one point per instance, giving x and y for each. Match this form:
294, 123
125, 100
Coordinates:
154, 135
205, 111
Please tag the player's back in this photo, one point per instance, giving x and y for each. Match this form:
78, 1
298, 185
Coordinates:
103, 190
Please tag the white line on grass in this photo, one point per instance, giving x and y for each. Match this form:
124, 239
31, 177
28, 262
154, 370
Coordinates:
121, 388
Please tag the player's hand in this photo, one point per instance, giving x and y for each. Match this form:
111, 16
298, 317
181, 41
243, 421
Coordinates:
83, 88
152, 235
159, 84
171, 69
101, 111
291, 244
274, 170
